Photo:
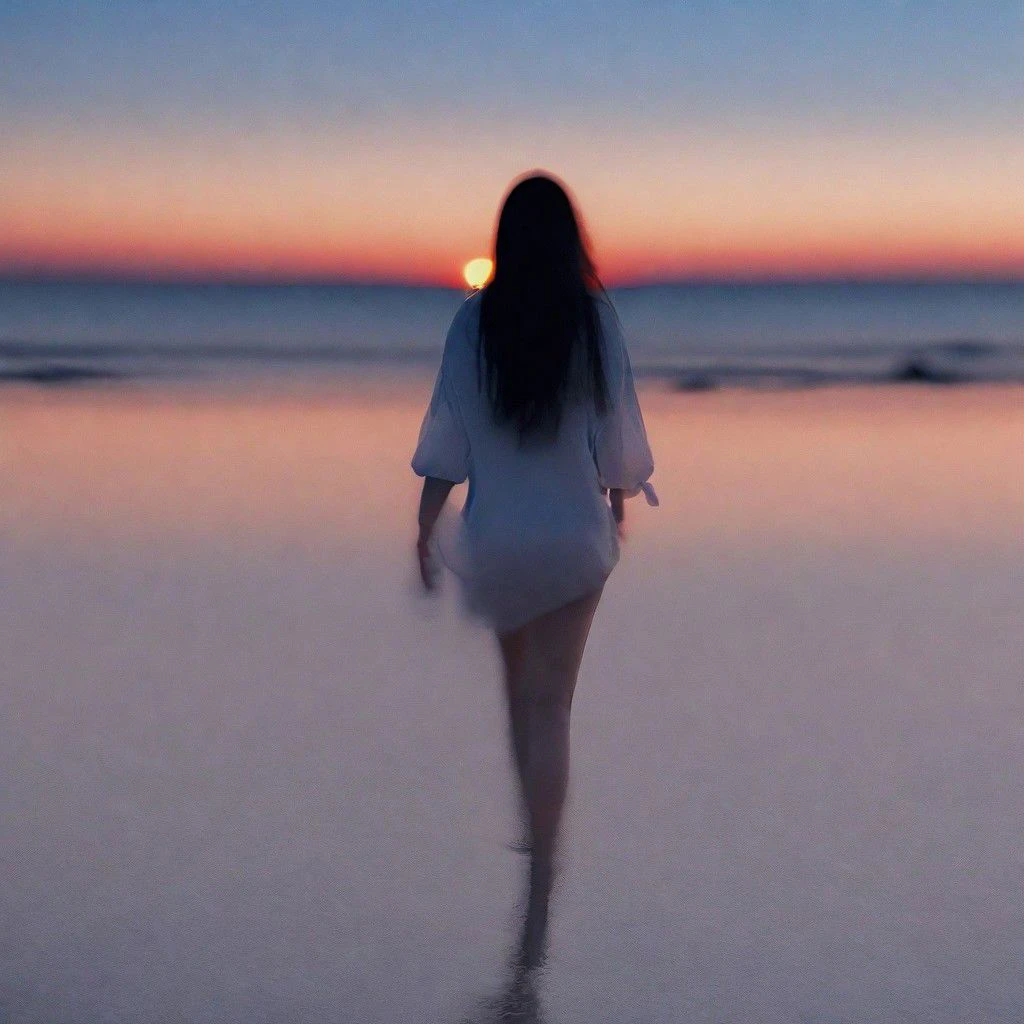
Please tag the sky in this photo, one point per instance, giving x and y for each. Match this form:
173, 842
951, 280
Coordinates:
375, 140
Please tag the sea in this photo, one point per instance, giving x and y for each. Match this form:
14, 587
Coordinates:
694, 335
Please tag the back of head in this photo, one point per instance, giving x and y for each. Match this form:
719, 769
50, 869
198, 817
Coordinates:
540, 343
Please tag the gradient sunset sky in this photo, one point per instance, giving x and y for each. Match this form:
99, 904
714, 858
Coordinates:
375, 140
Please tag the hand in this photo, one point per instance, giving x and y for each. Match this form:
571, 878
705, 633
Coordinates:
428, 569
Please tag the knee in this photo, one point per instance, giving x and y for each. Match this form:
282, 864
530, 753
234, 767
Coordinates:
553, 701
555, 669
549, 681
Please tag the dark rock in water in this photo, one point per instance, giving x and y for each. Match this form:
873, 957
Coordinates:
695, 382
57, 373
917, 371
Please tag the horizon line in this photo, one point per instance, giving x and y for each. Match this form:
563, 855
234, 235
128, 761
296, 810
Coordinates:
264, 280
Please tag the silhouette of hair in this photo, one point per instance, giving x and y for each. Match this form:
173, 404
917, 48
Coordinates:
540, 332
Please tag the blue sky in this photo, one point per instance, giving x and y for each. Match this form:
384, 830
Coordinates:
864, 60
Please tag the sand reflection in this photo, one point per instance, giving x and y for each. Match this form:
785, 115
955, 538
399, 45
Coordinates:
896, 466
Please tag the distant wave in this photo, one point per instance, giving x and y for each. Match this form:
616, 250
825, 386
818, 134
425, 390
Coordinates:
36, 362
945, 362
957, 361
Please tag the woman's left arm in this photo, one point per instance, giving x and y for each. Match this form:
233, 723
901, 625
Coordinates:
432, 498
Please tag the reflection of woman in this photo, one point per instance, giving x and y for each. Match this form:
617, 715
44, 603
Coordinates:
534, 403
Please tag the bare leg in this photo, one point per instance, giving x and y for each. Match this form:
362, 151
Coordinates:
545, 667
553, 647
511, 645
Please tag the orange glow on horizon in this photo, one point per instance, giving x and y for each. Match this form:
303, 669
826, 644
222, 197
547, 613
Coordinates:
84, 253
368, 205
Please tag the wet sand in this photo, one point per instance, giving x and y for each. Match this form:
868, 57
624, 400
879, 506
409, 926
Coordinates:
253, 775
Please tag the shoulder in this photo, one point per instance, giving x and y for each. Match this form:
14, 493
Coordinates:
603, 303
608, 317
612, 337
470, 306
467, 316
460, 342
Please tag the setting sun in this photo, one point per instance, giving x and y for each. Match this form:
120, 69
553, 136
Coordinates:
478, 272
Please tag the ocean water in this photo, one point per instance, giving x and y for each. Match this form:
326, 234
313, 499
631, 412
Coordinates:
699, 335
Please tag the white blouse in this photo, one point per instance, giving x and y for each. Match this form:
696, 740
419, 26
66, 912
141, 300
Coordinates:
537, 529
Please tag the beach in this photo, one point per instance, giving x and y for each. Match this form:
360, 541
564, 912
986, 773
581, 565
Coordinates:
253, 774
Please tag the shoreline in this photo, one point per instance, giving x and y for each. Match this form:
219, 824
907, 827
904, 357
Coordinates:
699, 376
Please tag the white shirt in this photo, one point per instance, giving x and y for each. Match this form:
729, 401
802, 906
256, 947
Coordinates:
537, 530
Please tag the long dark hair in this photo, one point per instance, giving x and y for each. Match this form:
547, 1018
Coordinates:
540, 333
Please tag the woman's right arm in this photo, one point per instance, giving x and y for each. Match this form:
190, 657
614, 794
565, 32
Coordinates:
432, 498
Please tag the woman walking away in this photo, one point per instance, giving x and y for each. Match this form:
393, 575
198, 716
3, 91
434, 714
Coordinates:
534, 403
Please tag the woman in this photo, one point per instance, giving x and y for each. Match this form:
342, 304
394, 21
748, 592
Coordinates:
534, 403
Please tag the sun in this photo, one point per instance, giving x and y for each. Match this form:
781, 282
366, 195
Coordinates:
478, 272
